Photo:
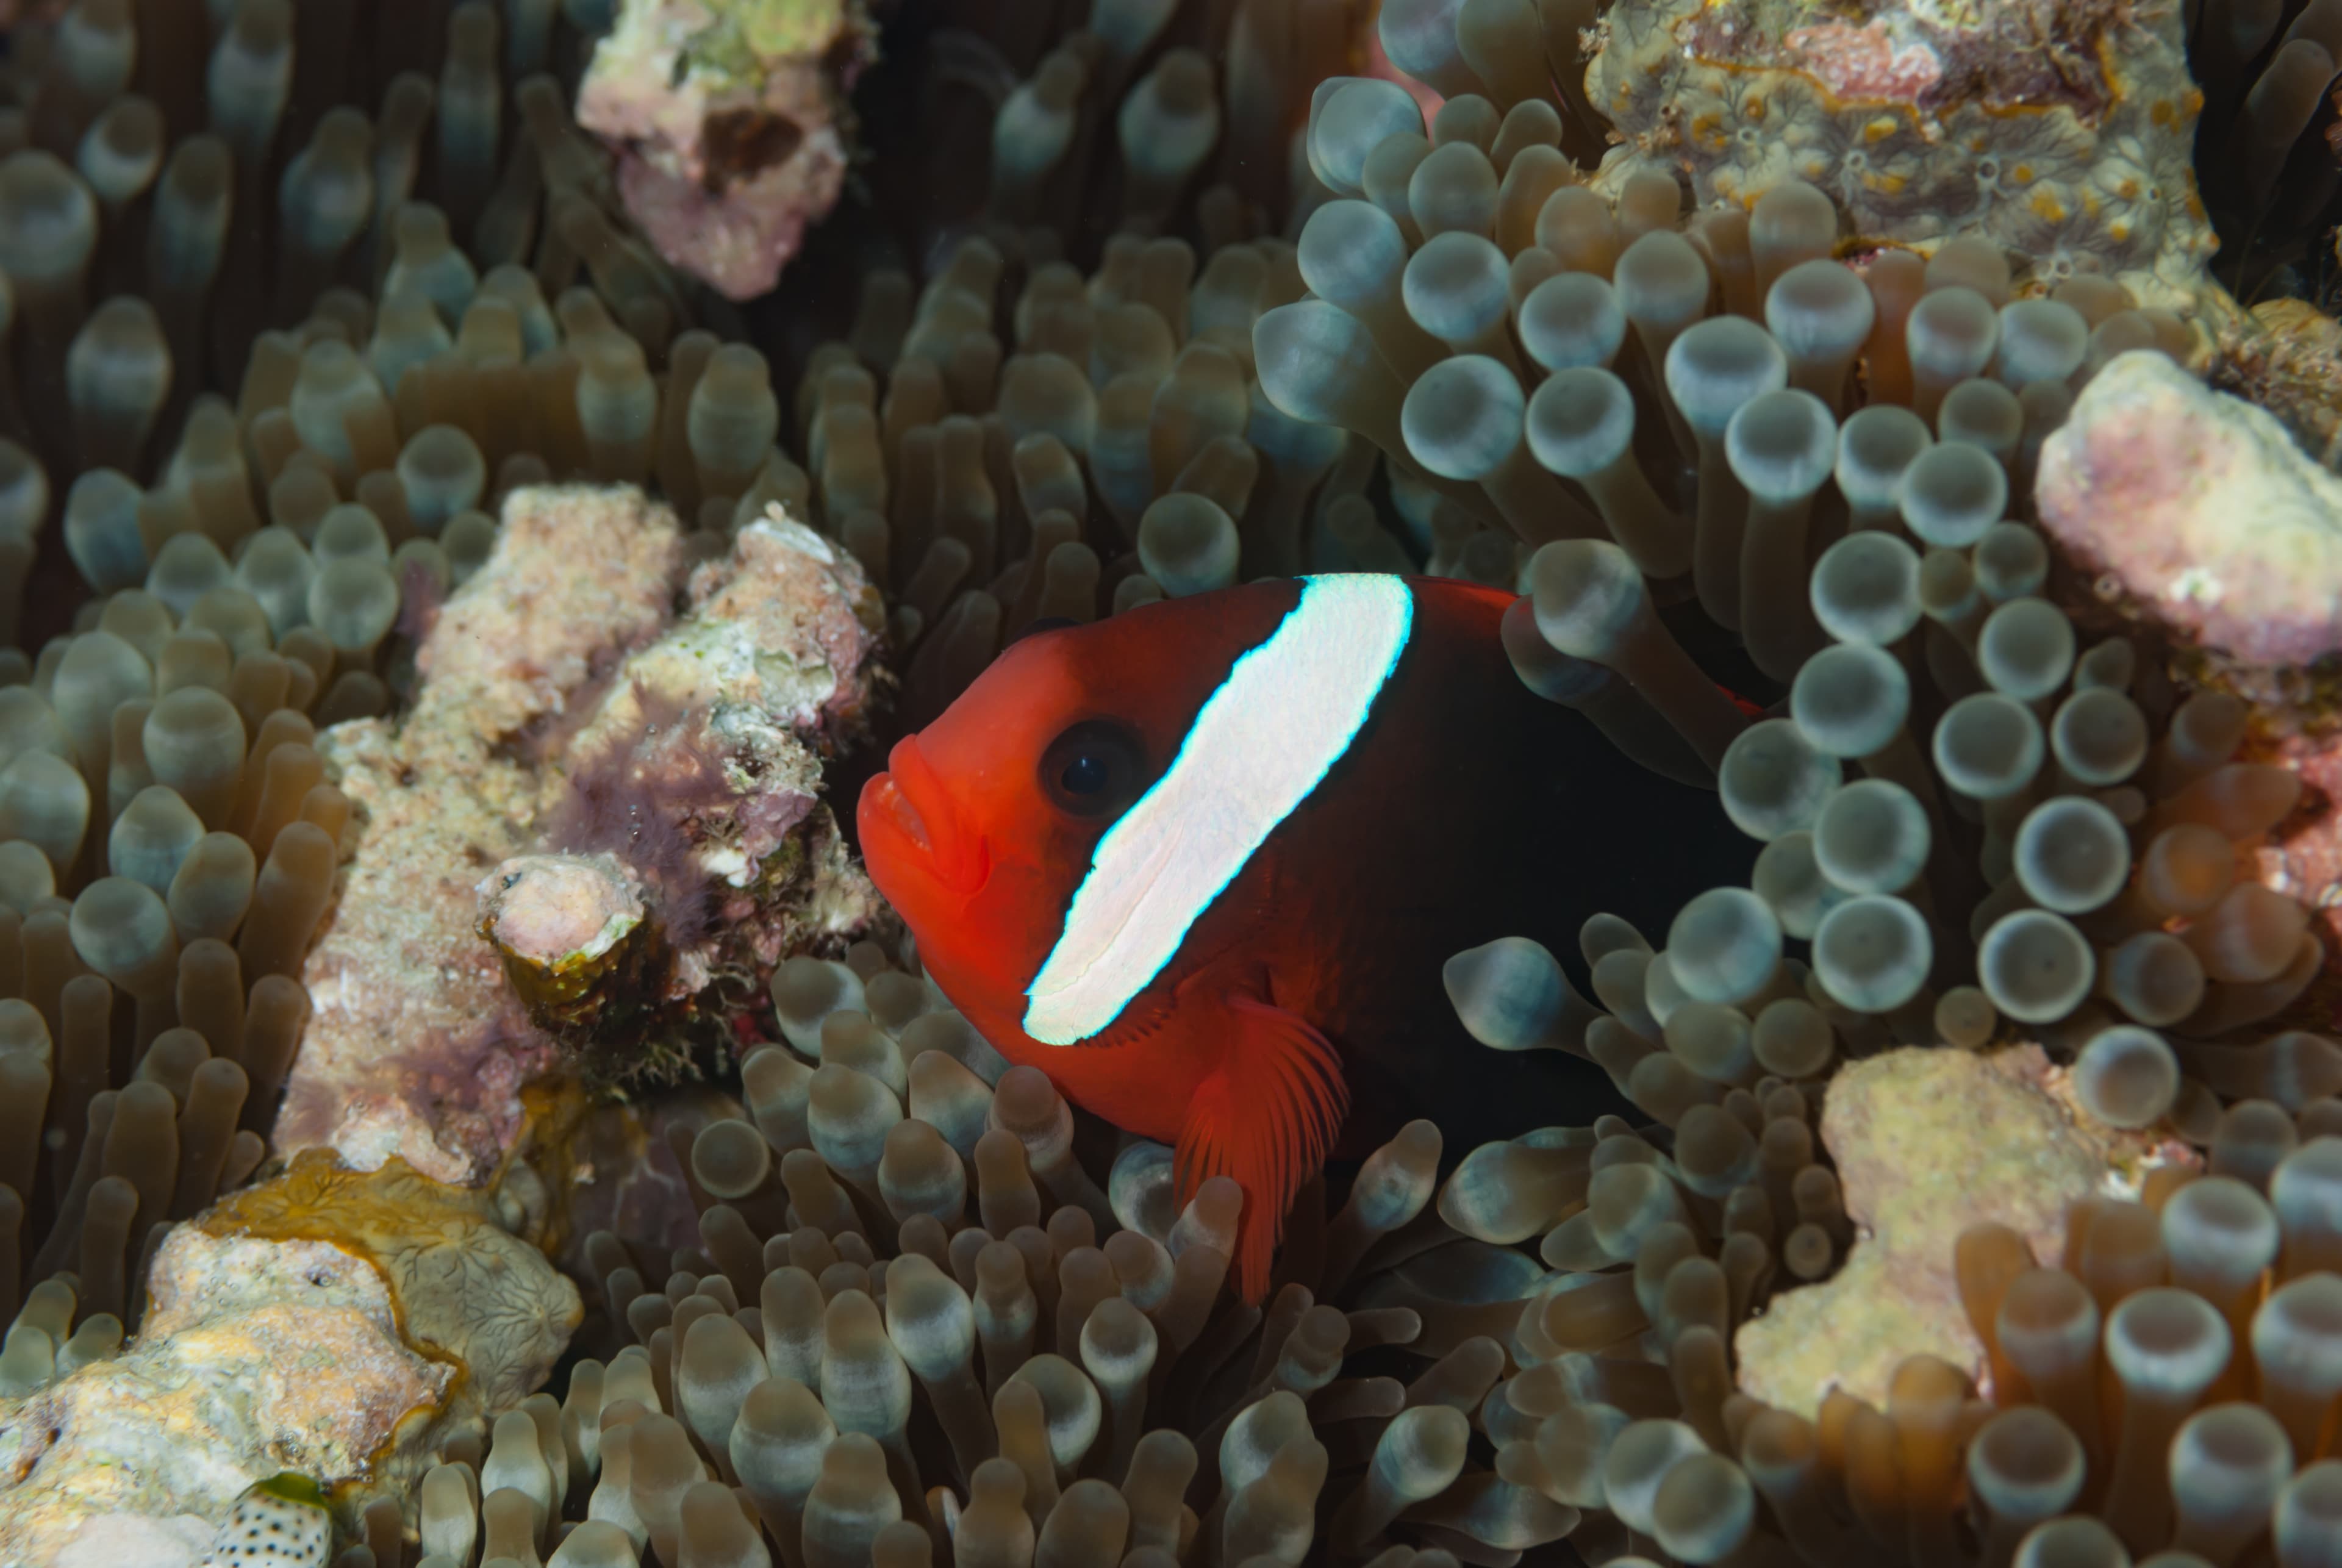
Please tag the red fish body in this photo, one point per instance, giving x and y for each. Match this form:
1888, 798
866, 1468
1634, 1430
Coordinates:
1201, 864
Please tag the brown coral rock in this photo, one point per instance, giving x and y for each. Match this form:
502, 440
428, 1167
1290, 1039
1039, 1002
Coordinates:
2286, 356
2303, 859
718, 728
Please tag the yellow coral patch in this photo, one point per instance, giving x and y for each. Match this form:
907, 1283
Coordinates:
452, 1268
1879, 129
774, 30
2045, 203
293, 1487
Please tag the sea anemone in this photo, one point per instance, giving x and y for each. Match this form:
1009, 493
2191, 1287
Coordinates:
2268, 143
1111, 331
1011, 1364
2066, 860
172, 835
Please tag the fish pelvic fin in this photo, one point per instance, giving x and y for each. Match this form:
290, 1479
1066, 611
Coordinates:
1266, 1115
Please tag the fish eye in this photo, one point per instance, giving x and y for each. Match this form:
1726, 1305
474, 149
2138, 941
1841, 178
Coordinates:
1093, 769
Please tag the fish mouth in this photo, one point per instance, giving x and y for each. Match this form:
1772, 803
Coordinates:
884, 796
909, 803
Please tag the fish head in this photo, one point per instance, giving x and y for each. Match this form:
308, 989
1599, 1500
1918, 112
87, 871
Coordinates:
1082, 846
985, 822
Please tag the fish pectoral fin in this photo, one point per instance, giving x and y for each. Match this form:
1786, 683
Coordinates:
1266, 1116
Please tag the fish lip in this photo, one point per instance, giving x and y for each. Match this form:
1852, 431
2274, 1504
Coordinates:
886, 797
913, 801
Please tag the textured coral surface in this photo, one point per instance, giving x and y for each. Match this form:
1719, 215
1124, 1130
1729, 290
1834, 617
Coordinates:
1929, 1143
578, 575
468, 1289
837, 1278
724, 115
330, 1322
2307, 862
2060, 129
257, 1356
532, 720
2202, 509
2286, 356
417, 1048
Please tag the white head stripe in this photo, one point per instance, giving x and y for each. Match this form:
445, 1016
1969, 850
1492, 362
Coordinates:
1287, 712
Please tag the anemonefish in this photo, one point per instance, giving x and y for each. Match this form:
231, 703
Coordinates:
1201, 863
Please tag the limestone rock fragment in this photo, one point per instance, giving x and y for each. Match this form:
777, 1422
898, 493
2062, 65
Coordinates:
329, 1323
2060, 129
1928, 1142
569, 723
2200, 509
728, 119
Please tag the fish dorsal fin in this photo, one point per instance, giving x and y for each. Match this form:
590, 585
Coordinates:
1266, 1116
1261, 742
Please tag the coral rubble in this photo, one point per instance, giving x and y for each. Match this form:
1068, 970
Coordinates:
401, 960
2202, 510
730, 123
2061, 130
560, 711
336, 1324
2285, 357
1927, 1143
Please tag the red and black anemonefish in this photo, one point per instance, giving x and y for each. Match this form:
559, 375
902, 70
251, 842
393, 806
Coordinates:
1201, 863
